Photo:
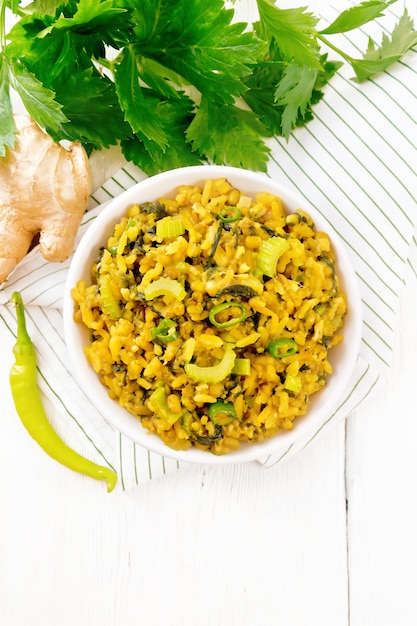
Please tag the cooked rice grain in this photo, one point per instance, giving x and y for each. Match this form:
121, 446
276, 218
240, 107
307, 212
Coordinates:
212, 261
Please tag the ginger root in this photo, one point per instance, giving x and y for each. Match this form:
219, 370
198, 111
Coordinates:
44, 190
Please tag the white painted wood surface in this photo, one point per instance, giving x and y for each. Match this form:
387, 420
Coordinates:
381, 466
230, 546
326, 539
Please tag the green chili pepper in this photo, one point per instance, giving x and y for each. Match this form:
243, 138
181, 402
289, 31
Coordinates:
282, 347
29, 407
230, 214
221, 413
165, 331
232, 321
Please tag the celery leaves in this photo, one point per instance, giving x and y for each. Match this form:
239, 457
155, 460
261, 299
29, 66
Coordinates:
226, 134
293, 30
294, 92
91, 104
175, 117
7, 129
176, 82
139, 106
197, 40
356, 16
379, 58
39, 101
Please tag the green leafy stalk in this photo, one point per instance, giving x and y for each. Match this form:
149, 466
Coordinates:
377, 58
294, 32
234, 135
284, 87
392, 49
175, 116
139, 104
7, 126
177, 82
357, 16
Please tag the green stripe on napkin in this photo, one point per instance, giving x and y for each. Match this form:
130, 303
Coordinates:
356, 164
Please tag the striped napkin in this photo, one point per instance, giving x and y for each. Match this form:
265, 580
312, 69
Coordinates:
355, 163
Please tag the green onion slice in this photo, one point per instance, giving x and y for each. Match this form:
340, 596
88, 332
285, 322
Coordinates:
230, 214
282, 347
221, 413
166, 331
214, 312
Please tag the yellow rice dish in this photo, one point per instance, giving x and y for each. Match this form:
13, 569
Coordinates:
211, 315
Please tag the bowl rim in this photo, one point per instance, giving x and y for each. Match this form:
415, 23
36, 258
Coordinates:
164, 184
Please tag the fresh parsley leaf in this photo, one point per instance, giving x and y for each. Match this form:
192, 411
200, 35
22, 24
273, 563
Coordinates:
144, 18
44, 57
19, 46
228, 134
293, 30
330, 67
365, 68
379, 58
356, 16
38, 43
7, 127
92, 31
260, 96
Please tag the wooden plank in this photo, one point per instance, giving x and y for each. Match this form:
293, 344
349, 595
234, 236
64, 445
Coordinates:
234, 546
381, 477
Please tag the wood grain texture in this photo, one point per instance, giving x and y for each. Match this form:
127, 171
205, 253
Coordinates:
234, 545
381, 473
231, 546
270, 546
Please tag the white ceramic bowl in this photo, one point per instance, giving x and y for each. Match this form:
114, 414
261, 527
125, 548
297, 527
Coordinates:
343, 356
